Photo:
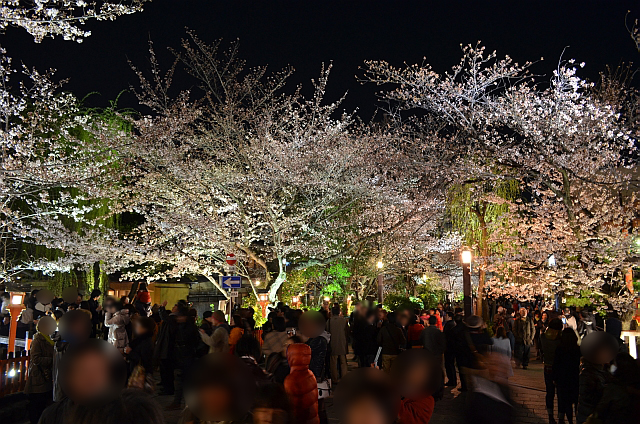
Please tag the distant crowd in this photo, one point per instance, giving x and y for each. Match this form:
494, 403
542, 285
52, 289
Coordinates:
106, 361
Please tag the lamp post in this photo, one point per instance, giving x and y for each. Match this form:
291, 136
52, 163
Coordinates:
380, 265
15, 307
466, 281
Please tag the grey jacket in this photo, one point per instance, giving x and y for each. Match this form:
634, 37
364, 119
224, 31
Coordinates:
338, 327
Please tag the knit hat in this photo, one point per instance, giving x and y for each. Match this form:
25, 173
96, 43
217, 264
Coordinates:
206, 314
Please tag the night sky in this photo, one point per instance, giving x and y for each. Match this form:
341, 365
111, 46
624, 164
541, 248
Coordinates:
305, 33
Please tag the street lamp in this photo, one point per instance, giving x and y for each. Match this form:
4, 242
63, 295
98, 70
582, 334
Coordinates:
15, 307
380, 282
466, 281
257, 283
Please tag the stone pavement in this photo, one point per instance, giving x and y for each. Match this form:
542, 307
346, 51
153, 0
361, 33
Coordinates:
527, 395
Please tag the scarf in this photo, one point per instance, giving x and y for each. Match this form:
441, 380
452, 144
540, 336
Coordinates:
47, 338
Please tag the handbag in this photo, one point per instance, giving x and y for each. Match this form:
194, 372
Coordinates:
324, 388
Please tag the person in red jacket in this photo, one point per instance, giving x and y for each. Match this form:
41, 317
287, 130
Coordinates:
301, 385
417, 374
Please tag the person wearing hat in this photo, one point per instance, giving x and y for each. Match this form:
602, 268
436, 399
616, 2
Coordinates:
471, 340
218, 341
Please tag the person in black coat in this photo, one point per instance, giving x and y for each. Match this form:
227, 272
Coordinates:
185, 345
566, 374
140, 349
450, 351
163, 353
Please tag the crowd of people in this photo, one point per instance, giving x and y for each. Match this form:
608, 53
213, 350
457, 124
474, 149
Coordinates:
90, 356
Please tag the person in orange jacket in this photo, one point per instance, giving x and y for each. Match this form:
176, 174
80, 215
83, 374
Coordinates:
301, 385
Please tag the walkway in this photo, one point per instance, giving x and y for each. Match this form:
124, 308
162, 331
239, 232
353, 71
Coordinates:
527, 394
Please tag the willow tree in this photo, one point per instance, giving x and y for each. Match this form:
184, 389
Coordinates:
475, 210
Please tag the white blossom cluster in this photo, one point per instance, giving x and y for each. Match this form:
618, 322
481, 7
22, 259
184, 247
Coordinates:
64, 18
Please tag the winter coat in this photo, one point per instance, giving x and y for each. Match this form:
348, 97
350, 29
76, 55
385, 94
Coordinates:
391, 338
274, 342
40, 378
364, 337
619, 404
523, 330
95, 315
116, 323
566, 372
550, 340
166, 335
414, 334
450, 336
318, 365
593, 379
218, 341
338, 327
433, 340
59, 349
235, 335
416, 411
141, 353
186, 343
301, 385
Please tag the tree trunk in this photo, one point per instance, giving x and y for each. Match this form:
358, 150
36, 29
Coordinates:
218, 286
480, 212
275, 286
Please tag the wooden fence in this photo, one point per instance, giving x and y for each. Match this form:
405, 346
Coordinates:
13, 373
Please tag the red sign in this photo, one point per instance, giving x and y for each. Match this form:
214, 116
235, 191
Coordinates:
231, 259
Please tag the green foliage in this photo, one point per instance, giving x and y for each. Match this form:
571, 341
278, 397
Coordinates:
583, 299
431, 294
395, 302
252, 302
338, 275
295, 284
462, 199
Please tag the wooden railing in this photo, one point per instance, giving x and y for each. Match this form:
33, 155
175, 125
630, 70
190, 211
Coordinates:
23, 343
13, 373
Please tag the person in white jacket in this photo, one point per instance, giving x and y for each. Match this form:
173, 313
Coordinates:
116, 318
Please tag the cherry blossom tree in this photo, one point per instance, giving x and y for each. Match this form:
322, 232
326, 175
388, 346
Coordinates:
240, 166
565, 144
64, 18
48, 167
